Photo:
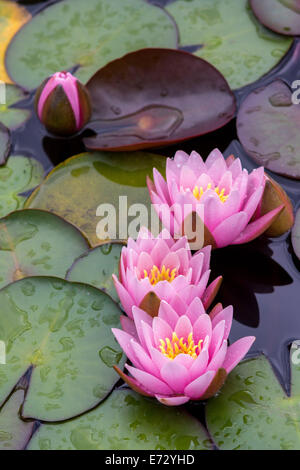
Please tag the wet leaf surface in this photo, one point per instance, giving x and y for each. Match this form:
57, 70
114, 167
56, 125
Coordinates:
14, 433
124, 421
147, 99
268, 128
10, 116
253, 412
76, 188
96, 268
13, 16
87, 35
227, 35
62, 331
281, 16
18, 175
296, 234
5, 143
37, 243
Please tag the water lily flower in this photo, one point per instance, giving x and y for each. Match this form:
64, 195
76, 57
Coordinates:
220, 192
159, 268
177, 357
63, 104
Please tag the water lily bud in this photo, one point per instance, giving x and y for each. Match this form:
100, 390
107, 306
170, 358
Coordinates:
63, 104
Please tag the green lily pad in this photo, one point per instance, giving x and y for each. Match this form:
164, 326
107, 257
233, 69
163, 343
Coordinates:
96, 268
5, 143
268, 128
253, 412
14, 433
85, 34
83, 188
37, 243
12, 117
125, 421
229, 37
18, 175
296, 234
61, 331
282, 16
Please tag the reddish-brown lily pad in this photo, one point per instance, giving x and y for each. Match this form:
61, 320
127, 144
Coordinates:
268, 128
281, 16
155, 97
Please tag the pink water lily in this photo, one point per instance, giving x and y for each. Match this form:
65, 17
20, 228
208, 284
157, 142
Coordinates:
160, 268
179, 356
223, 194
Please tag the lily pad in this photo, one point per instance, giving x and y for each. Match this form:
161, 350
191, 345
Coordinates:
147, 99
14, 433
13, 16
85, 190
227, 34
253, 412
268, 128
10, 116
125, 421
296, 234
5, 143
87, 35
37, 243
61, 332
18, 175
97, 266
282, 16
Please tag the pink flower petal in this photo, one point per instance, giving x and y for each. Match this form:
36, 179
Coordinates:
168, 314
175, 375
225, 315
216, 338
236, 352
159, 251
185, 360
196, 264
252, 203
199, 365
145, 263
158, 358
161, 186
198, 387
187, 177
124, 340
172, 401
218, 358
161, 330
183, 327
202, 328
125, 298
144, 361
195, 309
230, 229
128, 326
149, 382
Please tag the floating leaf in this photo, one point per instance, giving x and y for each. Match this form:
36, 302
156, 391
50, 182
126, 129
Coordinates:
61, 331
14, 433
20, 174
227, 35
281, 16
5, 143
77, 187
253, 412
13, 16
126, 421
97, 266
37, 243
268, 128
147, 99
85, 34
296, 234
13, 117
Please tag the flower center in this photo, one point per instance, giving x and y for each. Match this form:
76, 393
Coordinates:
176, 346
164, 274
198, 192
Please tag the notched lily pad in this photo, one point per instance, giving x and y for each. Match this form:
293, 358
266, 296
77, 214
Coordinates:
37, 243
97, 266
125, 421
282, 16
18, 175
14, 433
296, 234
227, 34
61, 331
10, 115
156, 96
5, 143
253, 412
268, 128
85, 34
100, 193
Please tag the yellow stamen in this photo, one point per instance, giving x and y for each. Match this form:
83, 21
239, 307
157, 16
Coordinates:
198, 192
163, 274
176, 346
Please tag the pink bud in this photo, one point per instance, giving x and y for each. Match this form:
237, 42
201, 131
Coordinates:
63, 104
